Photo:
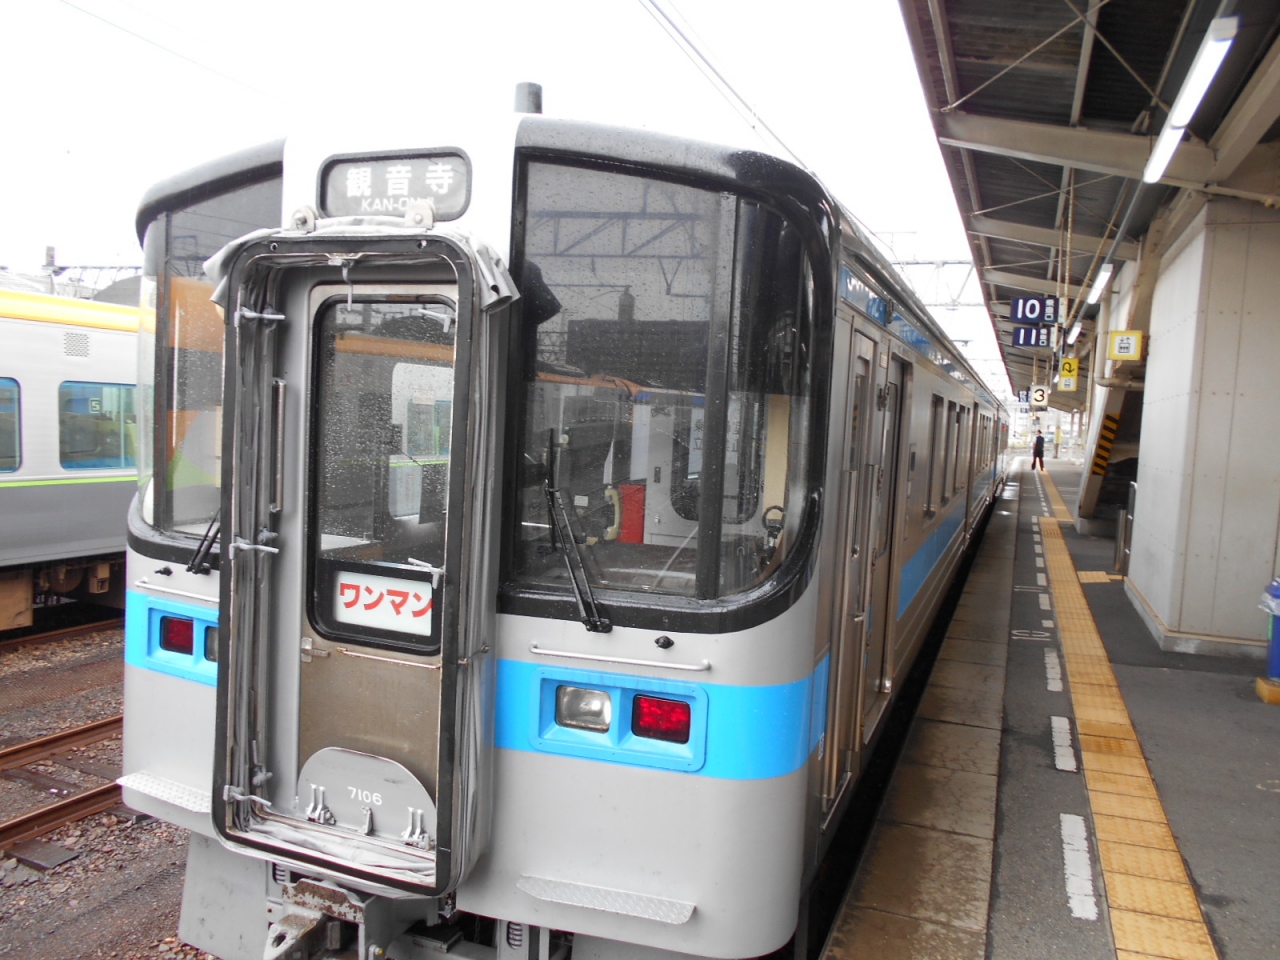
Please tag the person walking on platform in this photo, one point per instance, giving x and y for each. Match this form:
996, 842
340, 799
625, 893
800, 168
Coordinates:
1037, 451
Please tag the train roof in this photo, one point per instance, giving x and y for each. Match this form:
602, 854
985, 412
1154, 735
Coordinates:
748, 169
857, 244
45, 308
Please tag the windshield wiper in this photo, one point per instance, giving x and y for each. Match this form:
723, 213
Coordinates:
199, 560
588, 611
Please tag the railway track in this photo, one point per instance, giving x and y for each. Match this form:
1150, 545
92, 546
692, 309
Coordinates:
75, 807
60, 633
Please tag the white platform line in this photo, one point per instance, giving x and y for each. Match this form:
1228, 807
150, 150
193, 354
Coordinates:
1044, 602
1053, 671
1042, 580
1039, 561
1047, 624
1064, 755
1077, 867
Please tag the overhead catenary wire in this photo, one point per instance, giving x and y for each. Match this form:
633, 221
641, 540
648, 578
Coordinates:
678, 29
683, 35
160, 46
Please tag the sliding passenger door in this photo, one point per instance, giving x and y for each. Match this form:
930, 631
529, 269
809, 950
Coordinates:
878, 665
855, 493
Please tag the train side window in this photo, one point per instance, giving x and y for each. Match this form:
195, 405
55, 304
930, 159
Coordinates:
97, 426
933, 480
948, 454
10, 425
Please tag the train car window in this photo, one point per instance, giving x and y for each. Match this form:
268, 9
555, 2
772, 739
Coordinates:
181, 376
666, 383
933, 471
949, 454
10, 425
97, 426
890, 445
962, 447
383, 423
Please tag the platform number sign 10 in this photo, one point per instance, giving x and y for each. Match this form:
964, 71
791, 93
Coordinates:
1034, 310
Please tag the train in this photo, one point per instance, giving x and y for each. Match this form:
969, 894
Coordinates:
68, 451
540, 518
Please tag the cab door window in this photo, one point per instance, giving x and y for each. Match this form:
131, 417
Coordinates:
383, 448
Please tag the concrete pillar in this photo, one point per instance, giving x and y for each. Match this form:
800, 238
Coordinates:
1208, 506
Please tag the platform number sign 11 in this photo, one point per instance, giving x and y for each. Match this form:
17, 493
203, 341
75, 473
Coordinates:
1038, 336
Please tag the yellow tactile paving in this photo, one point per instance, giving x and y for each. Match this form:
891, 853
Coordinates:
1098, 671
1141, 833
1172, 937
1060, 511
1125, 786
1094, 576
1159, 897
1103, 728
1141, 861
1114, 746
1154, 910
1134, 808
1133, 766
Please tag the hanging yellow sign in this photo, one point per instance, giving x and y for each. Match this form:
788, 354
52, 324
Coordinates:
1124, 345
1067, 374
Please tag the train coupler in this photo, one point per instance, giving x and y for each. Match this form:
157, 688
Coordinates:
314, 920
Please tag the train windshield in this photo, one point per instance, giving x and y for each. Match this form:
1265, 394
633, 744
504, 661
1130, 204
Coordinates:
665, 417
180, 373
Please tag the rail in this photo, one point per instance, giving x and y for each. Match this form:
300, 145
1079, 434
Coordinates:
76, 807
62, 633
24, 753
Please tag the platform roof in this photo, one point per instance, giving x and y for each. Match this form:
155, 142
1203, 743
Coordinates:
1046, 112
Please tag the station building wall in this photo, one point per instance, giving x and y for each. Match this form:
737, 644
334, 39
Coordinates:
1205, 538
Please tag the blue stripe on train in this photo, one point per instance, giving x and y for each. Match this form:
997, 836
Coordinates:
142, 616
916, 570
736, 732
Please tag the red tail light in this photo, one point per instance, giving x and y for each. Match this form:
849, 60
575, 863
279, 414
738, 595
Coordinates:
660, 719
177, 635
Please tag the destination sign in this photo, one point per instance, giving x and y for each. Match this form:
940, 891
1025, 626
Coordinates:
387, 185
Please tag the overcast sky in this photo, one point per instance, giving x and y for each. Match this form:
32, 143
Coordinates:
106, 97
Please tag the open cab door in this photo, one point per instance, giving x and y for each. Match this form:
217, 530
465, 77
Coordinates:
363, 398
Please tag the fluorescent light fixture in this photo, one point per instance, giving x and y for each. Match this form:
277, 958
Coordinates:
1213, 50
1162, 153
1100, 284
1074, 333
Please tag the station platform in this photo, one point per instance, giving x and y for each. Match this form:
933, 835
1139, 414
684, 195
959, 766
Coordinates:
1069, 789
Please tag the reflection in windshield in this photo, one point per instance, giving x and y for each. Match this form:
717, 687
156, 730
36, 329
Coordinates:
385, 421
666, 387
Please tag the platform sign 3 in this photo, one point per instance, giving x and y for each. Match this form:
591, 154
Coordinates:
1067, 374
1039, 396
1124, 345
